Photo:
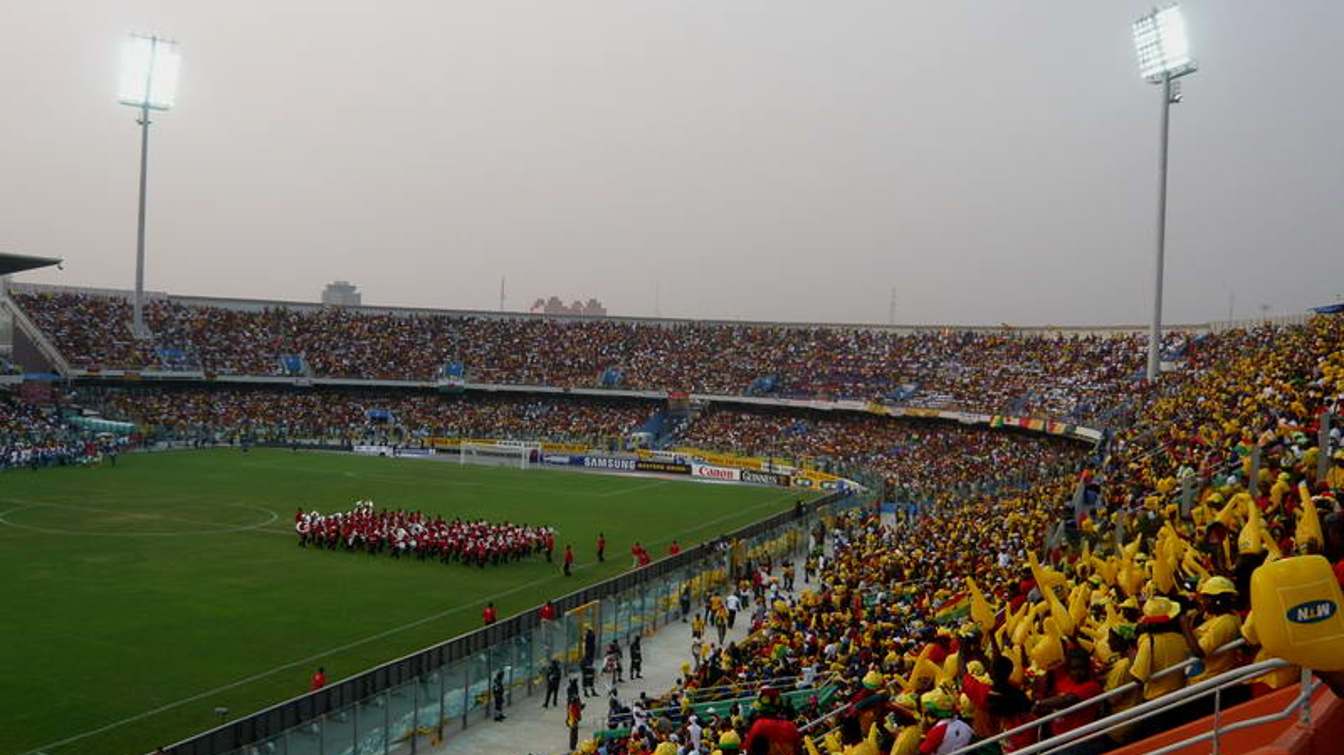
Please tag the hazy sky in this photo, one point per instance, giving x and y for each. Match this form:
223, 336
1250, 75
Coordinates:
993, 161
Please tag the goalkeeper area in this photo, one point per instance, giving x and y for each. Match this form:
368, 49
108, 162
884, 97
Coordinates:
141, 597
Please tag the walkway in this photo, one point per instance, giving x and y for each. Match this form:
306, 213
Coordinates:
533, 731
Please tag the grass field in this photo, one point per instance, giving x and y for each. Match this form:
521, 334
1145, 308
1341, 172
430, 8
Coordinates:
135, 599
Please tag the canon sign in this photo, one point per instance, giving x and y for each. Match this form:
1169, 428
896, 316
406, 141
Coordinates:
716, 473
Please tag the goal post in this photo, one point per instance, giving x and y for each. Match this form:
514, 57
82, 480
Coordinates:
491, 454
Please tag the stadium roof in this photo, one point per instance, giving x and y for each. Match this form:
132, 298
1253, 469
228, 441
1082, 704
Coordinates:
17, 263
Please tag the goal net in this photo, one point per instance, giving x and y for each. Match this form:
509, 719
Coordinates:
497, 456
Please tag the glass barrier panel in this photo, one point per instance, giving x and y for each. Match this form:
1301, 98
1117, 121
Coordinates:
304, 739
454, 693
271, 746
427, 706
400, 714
371, 725
526, 674
338, 732
501, 667
478, 686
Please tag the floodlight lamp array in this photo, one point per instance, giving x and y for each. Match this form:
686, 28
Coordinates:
149, 72
1162, 45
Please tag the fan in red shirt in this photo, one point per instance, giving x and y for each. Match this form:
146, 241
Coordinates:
488, 615
319, 679
674, 548
548, 611
780, 734
1073, 684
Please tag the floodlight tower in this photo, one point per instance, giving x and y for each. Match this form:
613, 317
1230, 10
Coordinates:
149, 68
1164, 57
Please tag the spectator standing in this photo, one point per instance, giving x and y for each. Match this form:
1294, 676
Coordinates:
553, 675
636, 658
497, 692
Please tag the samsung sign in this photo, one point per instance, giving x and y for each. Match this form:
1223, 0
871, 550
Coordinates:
613, 463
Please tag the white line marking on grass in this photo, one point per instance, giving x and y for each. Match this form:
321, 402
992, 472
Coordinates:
218, 529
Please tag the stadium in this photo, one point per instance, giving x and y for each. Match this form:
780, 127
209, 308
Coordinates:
239, 525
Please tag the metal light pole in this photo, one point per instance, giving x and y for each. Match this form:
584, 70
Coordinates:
148, 82
138, 318
1164, 57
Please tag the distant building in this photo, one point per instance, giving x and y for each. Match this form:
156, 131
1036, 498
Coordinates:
553, 306
341, 294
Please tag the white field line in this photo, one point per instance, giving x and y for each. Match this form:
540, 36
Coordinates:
212, 528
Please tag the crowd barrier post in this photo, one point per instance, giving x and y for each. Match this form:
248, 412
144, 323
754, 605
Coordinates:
1253, 484
1323, 446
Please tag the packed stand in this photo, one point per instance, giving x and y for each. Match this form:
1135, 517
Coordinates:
1077, 378
949, 630
920, 461
33, 437
346, 416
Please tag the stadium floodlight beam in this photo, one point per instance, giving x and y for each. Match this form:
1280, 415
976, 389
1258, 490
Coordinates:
149, 69
1164, 57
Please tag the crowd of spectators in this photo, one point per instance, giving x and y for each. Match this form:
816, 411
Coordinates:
34, 437
949, 629
1079, 377
923, 461
347, 416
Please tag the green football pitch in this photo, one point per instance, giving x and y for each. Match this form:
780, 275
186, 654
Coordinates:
137, 598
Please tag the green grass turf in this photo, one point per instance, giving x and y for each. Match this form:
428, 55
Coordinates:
132, 588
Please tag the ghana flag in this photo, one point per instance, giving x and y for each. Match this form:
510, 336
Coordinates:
954, 609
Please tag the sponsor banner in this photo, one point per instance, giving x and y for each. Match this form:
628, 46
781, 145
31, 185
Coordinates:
611, 463
561, 460
415, 452
764, 478
727, 474
665, 467
372, 450
720, 459
803, 482
564, 448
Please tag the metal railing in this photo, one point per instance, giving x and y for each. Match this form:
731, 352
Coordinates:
1091, 702
1213, 686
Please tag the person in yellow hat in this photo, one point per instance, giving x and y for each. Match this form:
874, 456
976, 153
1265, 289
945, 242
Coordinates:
947, 732
1334, 477
1222, 625
1161, 645
729, 743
